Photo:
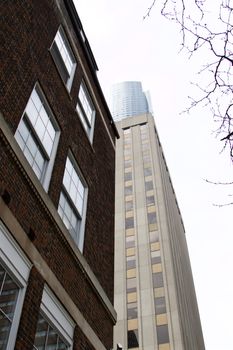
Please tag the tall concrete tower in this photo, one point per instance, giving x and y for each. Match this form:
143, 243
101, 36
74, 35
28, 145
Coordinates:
154, 291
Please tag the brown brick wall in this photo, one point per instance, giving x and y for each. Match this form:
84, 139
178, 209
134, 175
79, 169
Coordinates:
29, 28
30, 312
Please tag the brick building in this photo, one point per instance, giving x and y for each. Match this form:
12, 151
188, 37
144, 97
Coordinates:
57, 151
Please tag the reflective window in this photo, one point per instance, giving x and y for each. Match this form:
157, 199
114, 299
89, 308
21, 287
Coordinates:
130, 262
129, 223
47, 337
162, 334
157, 279
128, 190
149, 185
72, 200
36, 135
8, 298
86, 110
132, 311
133, 339
151, 218
131, 285
129, 205
63, 57
160, 306
128, 176
150, 200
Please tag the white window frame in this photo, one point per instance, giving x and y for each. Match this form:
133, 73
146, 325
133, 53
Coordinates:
88, 126
57, 316
47, 173
69, 52
18, 267
80, 233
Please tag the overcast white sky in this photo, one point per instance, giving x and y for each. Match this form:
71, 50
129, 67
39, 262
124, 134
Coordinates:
128, 48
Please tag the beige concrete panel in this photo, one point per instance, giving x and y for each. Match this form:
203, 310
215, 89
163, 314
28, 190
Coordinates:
131, 273
151, 209
131, 297
159, 292
165, 346
132, 324
161, 319
129, 214
130, 251
157, 268
130, 232
155, 246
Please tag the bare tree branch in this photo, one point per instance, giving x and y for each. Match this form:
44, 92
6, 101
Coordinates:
210, 33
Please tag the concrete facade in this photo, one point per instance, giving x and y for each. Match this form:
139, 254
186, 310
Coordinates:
154, 292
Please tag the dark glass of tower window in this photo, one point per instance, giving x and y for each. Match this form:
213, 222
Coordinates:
157, 280
151, 218
133, 339
130, 242
147, 171
162, 334
131, 286
150, 200
160, 306
128, 176
129, 223
132, 311
149, 185
129, 205
130, 262
128, 190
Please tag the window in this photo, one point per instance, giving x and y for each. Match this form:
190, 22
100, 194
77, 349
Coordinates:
86, 110
72, 203
14, 272
63, 58
54, 327
37, 135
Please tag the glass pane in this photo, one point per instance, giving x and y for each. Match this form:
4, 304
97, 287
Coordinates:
52, 339
5, 326
41, 333
8, 297
162, 334
157, 279
160, 306
133, 339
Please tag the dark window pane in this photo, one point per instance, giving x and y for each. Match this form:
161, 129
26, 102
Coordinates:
162, 334
133, 339
129, 205
147, 171
149, 185
151, 218
131, 285
160, 306
150, 200
128, 176
132, 311
156, 260
129, 223
130, 242
157, 280
130, 262
128, 190
5, 326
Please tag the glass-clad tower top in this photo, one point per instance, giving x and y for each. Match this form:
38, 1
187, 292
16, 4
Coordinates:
128, 99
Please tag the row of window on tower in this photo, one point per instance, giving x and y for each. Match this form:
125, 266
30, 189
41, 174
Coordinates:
38, 136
